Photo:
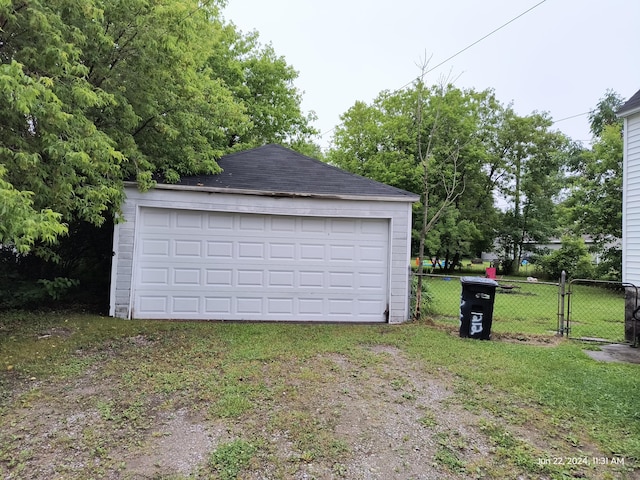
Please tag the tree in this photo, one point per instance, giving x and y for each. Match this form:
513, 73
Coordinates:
594, 200
263, 83
604, 113
94, 92
526, 167
97, 92
380, 141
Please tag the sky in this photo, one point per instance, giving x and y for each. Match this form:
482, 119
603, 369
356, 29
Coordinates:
560, 57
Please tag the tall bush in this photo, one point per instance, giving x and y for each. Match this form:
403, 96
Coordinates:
573, 257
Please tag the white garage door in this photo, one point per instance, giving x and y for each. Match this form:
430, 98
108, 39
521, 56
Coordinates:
230, 266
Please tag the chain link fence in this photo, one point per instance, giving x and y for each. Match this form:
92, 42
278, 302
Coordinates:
597, 310
585, 310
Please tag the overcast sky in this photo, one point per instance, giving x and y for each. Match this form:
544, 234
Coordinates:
560, 57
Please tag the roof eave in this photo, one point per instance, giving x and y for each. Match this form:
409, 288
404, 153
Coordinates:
628, 113
269, 193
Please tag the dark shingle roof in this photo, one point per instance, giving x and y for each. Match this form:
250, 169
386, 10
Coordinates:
276, 170
631, 105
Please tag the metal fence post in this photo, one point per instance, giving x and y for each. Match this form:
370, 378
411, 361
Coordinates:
561, 300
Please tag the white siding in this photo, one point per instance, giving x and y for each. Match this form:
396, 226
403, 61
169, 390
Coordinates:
396, 214
631, 201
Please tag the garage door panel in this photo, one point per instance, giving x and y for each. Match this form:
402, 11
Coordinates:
282, 251
188, 220
250, 250
374, 254
152, 304
249, 266
374, 281
220, 222
312, 251
153, 247
281, 278
311, 279
218, 306
154, 276
250, 278
311, 307
157, 218
186, 276
340, 225
369, 307
283, 224
280, 306
340, 307
248, 305
219, 277
185, 304
220, 249
341, 280
252, 223
342, 252
187, 248
313, 225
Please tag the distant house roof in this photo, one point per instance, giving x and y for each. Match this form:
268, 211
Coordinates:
278, 171
631, 106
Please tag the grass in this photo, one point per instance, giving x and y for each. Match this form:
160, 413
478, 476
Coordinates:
561, 379
234, 372
229, 459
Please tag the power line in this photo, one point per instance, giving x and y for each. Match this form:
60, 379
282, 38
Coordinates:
461, 51
572, 116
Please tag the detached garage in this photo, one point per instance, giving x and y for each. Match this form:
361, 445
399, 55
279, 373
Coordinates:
277, 236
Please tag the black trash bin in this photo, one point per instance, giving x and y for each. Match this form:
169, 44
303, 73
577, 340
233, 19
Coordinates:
476, 307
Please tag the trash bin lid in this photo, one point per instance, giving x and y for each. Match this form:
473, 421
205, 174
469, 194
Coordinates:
488, 282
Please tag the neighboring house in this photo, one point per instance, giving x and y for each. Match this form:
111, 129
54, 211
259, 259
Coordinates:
556, 244
276, 236
630, 113
530, 248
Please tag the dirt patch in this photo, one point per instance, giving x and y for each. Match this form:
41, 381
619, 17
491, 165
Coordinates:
372, 414
521, 338
175, 446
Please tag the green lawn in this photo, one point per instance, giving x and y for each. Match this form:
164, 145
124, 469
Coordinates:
258, 379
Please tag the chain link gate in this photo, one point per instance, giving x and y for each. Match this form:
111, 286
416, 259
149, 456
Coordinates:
599, 311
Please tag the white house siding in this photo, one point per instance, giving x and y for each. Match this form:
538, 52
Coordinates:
397, 214
631, 201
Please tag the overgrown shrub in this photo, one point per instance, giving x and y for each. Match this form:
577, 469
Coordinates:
426, 298
573, 257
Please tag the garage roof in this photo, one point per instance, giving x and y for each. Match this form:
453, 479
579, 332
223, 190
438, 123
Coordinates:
276, 170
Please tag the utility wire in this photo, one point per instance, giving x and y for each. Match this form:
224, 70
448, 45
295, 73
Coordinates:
572, 116
461, 51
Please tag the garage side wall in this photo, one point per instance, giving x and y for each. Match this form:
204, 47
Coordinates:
397, 212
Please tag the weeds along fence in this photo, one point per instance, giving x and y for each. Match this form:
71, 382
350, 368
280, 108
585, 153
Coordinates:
580, 309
